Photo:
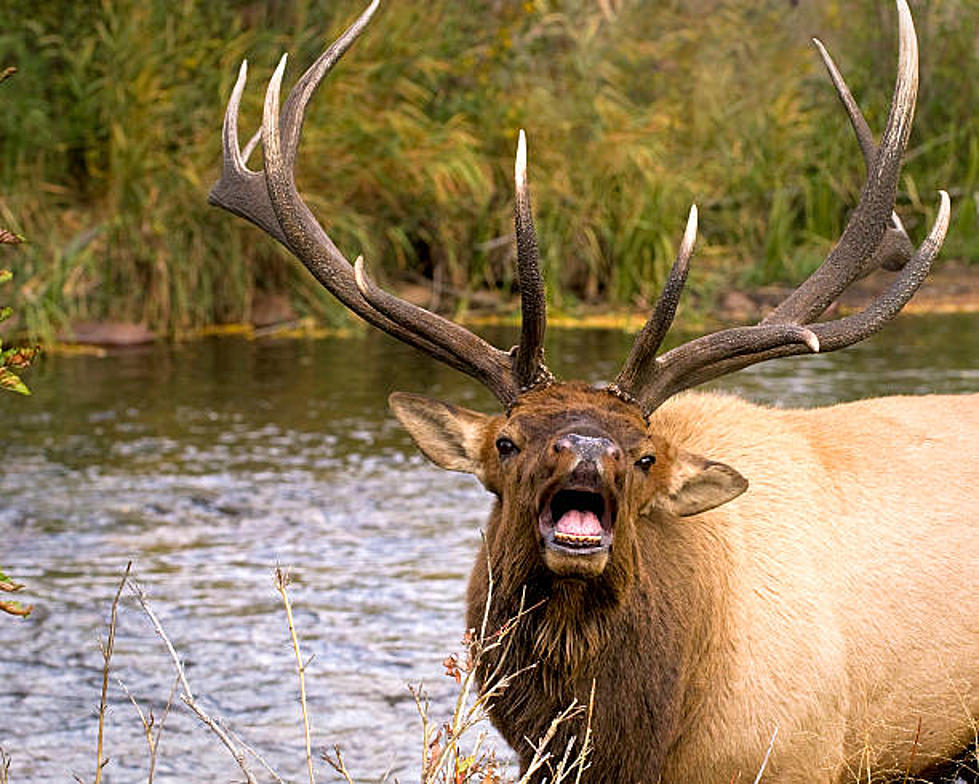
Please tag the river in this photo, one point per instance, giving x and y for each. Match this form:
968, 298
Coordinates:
210, 463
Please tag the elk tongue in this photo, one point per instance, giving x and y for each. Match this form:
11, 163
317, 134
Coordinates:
579, 522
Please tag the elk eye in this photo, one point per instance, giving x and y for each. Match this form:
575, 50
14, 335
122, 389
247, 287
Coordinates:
506, 447
645, 462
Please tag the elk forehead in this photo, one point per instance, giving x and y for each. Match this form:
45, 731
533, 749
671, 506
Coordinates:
578, 412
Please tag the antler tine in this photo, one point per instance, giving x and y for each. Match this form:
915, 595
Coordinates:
448, 342
830, 335
868, 222
654, 331
506, 376
291, 122
839, 333
246, 193
719, 353
865, 136
240, 190
243, 191
528, 365
896, 248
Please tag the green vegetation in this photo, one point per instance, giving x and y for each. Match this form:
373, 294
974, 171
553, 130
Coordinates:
11, 360
19, 357
16, 358
110, 140
10, 607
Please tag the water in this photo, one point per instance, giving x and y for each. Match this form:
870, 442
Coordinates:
209, 464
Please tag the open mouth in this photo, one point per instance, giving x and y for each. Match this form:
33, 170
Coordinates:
577, 521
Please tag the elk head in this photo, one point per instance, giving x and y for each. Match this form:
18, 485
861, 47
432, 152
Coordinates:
574, 466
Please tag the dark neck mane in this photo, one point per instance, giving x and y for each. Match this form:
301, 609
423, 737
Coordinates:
622, 632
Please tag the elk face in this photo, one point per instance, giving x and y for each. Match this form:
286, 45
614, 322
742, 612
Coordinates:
564, 455
574, 469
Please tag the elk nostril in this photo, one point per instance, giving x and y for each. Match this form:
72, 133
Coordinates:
563, 445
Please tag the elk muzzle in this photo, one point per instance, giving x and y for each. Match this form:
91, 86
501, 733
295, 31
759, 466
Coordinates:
576, 516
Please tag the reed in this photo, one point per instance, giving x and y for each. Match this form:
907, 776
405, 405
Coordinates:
110, 140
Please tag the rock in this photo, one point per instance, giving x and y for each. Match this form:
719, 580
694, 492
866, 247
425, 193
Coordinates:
107, 333
270, 309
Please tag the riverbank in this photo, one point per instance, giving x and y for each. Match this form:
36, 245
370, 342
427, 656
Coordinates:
952, 288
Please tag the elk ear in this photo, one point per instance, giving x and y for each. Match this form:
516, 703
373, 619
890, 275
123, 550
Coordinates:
449, 436
700, 484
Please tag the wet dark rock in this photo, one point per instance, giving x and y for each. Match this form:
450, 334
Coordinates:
107, 333
271, 309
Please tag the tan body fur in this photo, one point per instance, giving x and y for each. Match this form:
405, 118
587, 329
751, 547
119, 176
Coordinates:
850, 569
835, 599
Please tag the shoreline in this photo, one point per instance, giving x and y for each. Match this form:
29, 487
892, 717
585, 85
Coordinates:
953, 288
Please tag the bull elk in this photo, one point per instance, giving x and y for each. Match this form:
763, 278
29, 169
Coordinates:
713, 568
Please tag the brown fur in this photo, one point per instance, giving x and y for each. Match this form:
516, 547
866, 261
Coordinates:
835, 599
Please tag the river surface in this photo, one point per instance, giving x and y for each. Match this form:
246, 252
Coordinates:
209, 464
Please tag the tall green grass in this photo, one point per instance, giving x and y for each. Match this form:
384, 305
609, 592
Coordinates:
109, 141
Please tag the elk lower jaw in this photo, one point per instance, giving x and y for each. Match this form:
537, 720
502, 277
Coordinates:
576, 532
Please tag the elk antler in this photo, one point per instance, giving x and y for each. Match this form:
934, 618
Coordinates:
868, 239
895, 249
270, 200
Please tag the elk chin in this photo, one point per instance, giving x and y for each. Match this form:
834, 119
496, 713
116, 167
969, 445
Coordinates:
576, 528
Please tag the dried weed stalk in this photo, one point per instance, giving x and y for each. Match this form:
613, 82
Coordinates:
281, 581
768, 755
444, 757
151, 729
106, 648
445, 762
237, 749
449, 753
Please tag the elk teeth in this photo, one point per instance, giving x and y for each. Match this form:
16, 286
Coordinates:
579, 539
